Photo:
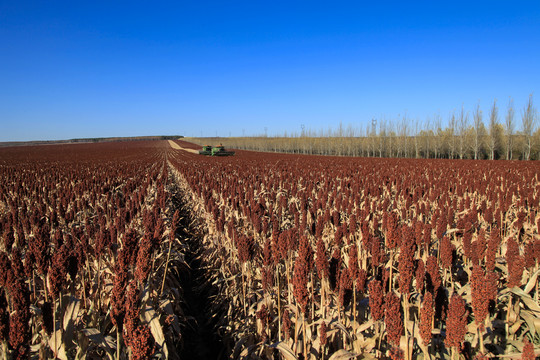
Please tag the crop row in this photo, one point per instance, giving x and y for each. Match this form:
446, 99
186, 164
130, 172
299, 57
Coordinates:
400, 258
88, 252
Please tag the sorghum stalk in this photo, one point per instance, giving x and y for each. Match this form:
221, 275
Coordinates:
278, 302
98, 292
353, 270
353, 309
34, 284
304, 339
54, 329
244, 290
312, 296
5, 350
166, 266
117, 343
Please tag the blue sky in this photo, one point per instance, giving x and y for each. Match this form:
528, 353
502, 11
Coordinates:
125, 68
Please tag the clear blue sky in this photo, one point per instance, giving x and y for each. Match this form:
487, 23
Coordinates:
70, 69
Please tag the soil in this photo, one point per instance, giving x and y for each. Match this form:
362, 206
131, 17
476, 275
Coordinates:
200, 338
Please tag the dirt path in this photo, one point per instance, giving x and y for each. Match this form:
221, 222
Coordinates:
178, 147
200, 338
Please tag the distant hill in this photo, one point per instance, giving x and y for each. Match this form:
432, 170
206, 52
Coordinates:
88, 140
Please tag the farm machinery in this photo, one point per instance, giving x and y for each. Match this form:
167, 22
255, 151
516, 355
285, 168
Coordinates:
215, 151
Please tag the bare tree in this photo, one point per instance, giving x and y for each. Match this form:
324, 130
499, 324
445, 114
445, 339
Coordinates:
437, 134
416, 131
391, 137
427, 127
462, 128
477, 116
510, 129
404, 135
372, 135
493, 121
528, 119
452, 127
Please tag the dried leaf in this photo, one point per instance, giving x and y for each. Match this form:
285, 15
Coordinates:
95, 336
285, 350
342, 354
58, 345
515, 327
342, 328
530, 320
365, 326
72, 312
238, 347
532, 282
527, 300
152, 318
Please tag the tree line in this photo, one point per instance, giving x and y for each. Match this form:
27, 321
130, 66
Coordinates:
467, 135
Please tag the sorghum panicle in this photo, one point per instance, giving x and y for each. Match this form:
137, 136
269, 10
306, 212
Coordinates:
456, 324
392, 318
376, 299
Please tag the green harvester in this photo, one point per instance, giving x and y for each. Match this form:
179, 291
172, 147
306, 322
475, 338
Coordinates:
215, 151
206, 150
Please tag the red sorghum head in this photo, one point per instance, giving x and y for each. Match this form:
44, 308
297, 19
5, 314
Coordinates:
515, 262
306, 252
353, 262
426, 317
375, 299
376, 256
530, 259
392, 318
142, 343
264, 316
480, 295
434, 277
131, 320
361, 280
446, 252
481, 243
321, 261
58, 271
300, 280
420, 275
286, 324
245, 246
396, 353
144, 259
322, 333
492, 249
528, 350
19, 328
456, 323
5, 266
117, 297
406, 260
345, 286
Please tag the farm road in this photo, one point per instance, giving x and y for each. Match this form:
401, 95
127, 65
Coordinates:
178, 147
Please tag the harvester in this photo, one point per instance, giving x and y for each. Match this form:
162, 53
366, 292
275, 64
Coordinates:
215, 151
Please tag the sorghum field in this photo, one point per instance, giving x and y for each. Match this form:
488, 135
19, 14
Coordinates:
135, 250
